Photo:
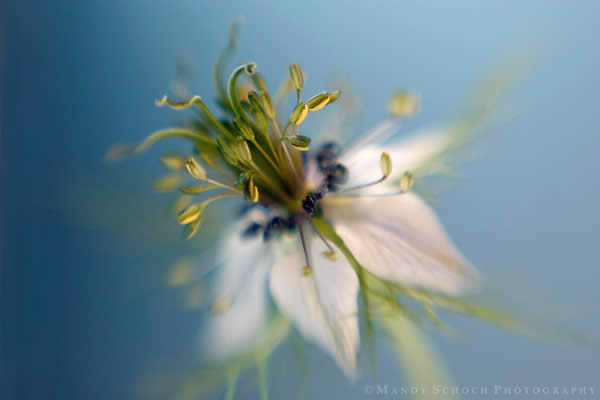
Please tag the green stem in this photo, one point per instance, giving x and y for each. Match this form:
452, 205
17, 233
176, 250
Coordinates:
269, 159
232, 90
215, 121
262, 380
217, 183
232, 376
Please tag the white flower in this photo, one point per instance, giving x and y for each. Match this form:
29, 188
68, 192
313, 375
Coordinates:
329, 236
277, 259
395, 236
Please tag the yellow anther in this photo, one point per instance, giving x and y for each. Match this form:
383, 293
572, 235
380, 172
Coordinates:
299, 113
267, 104
253, 193
173, 161
220, 306
318, 101
190, 214
181, 273
191, 229
167, 183
299, 142
386, 164
195, 169
243, 151
404, 104
297, 77
331, 255
207, 159
407, 181
306, 271
333, 96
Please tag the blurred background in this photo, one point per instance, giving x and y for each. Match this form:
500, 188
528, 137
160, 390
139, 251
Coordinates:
85, 246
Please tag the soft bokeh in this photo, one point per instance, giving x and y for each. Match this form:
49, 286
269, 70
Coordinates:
86, 246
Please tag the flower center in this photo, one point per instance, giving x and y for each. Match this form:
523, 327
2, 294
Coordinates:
334, 174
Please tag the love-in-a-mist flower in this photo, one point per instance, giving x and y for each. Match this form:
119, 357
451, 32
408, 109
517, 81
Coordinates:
330, 236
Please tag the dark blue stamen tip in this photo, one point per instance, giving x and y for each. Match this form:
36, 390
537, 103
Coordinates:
327, 155
336, 175
311, 203
252, 230
278, 225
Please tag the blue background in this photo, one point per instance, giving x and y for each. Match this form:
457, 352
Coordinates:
84, 311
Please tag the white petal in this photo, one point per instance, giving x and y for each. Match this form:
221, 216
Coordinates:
323, 305
240, 288
399, 238
407, 154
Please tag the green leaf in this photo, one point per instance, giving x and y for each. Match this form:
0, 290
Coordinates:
263, 380
420, 362
205, 380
